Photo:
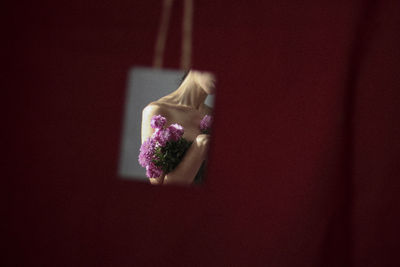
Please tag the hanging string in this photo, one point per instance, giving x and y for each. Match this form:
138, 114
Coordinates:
162, 34
187, 25
187, 34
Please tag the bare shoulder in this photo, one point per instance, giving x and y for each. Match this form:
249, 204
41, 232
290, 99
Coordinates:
148, 112
155, 108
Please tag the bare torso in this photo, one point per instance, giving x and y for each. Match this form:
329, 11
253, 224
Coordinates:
189, 118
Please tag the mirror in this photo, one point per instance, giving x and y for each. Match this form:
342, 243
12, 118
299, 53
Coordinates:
167, 126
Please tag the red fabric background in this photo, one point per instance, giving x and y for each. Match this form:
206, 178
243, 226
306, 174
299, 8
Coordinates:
305, 159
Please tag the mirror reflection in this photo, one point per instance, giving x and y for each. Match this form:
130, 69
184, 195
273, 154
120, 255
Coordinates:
167, 134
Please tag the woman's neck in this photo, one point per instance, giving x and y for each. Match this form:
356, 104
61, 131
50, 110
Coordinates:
189, 94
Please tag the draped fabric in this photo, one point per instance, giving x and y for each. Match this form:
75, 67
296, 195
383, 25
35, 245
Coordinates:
304, 165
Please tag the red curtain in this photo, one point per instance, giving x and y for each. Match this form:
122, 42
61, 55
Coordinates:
304, 166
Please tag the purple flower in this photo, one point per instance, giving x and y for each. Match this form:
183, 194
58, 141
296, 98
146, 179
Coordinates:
158, 122
154, 155
205, 124
176, 131
147, 152
152, 171
162, 136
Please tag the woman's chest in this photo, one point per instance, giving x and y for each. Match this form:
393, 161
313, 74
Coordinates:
190, 123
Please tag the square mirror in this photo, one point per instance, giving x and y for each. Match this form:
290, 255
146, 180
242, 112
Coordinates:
167, 121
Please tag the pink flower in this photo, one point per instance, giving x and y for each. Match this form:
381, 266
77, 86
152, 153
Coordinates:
162, 136
205, 124
176, 131
153, 171
147, 152
158, 122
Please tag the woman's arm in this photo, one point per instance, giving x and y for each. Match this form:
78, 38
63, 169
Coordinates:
187, 169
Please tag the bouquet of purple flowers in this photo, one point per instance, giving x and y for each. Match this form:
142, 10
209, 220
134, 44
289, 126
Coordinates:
163, 151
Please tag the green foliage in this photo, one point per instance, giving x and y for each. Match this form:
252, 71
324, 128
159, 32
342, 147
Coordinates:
207, 131
169, 156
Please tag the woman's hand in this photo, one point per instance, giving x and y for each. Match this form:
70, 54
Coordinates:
202, 141
187, 169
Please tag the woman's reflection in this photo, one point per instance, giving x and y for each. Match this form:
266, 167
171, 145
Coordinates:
186, 107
